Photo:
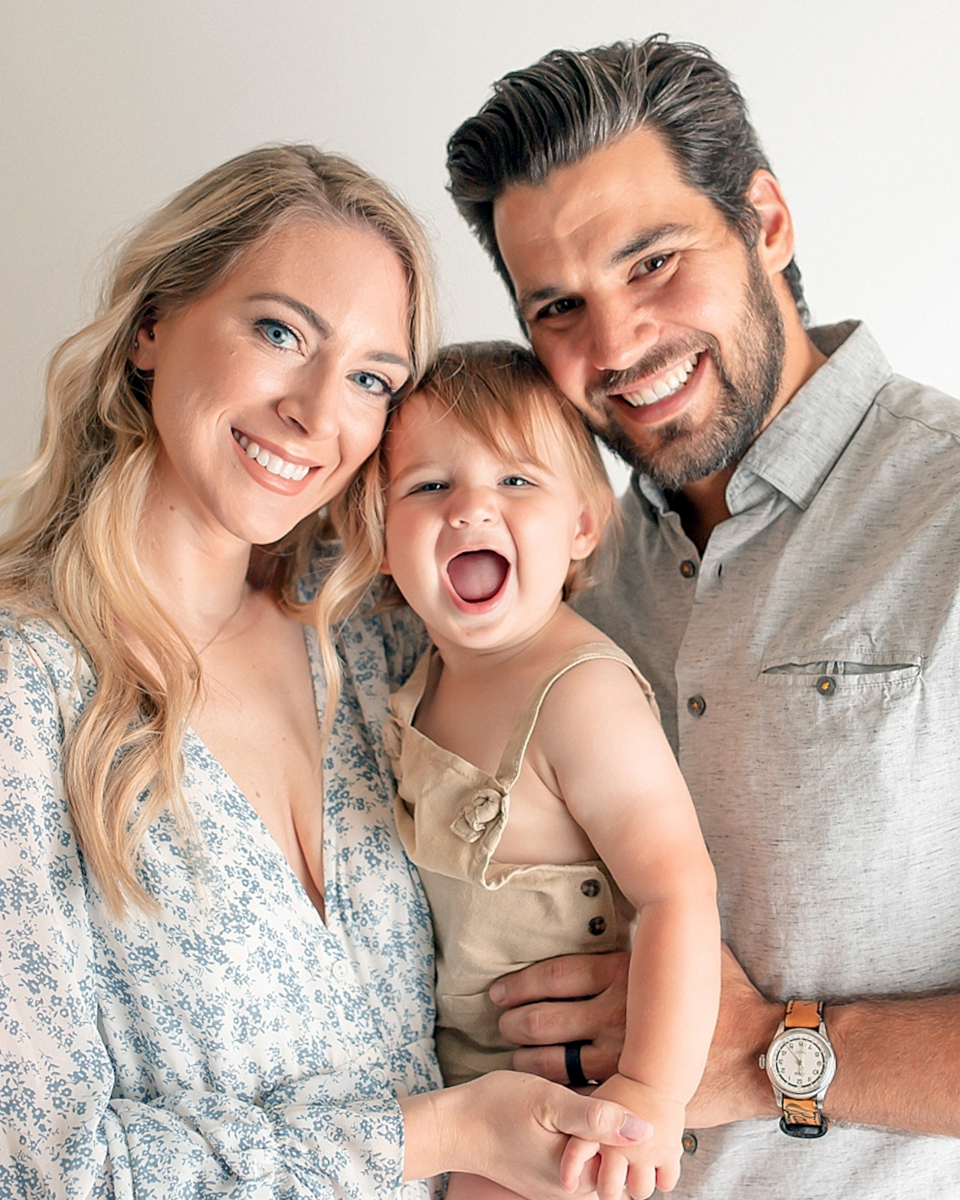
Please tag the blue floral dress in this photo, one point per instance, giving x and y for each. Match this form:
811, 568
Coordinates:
233, 1043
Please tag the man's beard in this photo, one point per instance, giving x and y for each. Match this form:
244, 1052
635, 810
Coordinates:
747, 391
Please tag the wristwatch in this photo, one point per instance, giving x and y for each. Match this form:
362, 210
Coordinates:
801, 1063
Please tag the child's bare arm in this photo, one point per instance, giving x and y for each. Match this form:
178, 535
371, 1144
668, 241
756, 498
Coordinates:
621, 784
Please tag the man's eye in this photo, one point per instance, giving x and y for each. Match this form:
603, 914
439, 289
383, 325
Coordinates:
278, 334
560, 308
656, 262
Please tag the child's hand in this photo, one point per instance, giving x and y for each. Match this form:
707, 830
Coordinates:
654, 1163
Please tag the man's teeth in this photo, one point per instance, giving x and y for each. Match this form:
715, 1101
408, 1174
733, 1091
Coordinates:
271, 462
663, 387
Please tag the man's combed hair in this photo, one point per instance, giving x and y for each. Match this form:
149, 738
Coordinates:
571, 103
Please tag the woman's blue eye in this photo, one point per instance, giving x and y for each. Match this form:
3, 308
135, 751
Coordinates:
278, 334
372, 383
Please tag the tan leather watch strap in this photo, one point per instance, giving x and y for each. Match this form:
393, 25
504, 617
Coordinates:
801, 1112
803, 1014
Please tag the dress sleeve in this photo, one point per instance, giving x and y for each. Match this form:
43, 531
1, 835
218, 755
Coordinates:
68, 1129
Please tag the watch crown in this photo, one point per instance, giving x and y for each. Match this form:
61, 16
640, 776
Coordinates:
763, 1062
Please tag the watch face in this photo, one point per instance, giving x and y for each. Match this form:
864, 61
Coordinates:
800, 1063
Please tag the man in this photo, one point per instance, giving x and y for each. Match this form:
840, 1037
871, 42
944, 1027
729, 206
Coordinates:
788, 581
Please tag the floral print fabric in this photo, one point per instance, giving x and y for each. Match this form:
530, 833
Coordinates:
232, 1043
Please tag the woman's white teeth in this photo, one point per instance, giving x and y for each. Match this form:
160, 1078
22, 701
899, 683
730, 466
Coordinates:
271, 462
663, 387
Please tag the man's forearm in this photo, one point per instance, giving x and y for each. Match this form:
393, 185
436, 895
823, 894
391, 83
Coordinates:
898, 1064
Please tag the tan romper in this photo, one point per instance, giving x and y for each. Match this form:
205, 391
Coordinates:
490, 917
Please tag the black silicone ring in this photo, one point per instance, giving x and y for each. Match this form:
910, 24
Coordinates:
571, 1059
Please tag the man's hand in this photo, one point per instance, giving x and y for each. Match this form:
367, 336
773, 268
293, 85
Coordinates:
583, 998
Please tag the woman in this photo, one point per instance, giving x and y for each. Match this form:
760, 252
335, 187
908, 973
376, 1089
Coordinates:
210, 981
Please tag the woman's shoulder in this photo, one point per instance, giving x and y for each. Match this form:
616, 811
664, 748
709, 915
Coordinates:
34, 648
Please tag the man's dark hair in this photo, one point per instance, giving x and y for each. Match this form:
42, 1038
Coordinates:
571, 103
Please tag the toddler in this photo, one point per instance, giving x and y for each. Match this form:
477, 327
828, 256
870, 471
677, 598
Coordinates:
537, 793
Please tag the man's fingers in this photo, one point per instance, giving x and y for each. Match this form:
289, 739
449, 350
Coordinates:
574, 975
599, 1061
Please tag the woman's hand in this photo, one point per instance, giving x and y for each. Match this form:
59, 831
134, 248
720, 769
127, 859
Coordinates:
512, 1128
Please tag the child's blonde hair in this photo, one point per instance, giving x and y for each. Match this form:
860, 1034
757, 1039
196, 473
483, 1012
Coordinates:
500, 393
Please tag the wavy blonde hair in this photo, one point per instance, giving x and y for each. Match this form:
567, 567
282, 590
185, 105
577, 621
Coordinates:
500, 393
70, 553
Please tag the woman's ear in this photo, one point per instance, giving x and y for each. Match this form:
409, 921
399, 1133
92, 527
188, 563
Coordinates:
143, 352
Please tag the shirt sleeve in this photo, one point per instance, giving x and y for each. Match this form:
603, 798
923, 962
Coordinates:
66, 1129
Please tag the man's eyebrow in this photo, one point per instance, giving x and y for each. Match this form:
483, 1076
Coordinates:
305, 311
647, 238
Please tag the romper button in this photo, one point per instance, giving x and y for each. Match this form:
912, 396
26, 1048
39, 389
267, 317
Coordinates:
689, 1143
696, 706
590, 887
688, 568
597, 926
826, 686
341, 971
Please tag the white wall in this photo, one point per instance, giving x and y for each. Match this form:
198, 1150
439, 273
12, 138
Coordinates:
108, 106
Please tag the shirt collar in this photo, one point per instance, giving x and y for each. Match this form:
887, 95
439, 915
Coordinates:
798, 449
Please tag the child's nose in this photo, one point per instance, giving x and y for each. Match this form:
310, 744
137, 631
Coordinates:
472, 506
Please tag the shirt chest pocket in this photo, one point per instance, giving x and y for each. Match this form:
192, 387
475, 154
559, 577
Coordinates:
847, 676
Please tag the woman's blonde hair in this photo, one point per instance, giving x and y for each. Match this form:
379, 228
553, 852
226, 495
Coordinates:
70, 553
501, 394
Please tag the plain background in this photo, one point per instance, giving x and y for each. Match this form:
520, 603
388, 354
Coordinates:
109, 106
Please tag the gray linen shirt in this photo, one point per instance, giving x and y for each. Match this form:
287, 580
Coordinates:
808, 672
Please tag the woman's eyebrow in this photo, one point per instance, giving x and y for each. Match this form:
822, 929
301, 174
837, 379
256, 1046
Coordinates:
309, 315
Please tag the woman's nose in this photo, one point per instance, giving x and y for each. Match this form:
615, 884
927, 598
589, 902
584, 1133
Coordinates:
312, 403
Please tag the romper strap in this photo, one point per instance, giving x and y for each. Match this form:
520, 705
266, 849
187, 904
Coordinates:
512, 760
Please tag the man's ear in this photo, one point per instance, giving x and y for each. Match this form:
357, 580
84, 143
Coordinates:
143, 352
775, 240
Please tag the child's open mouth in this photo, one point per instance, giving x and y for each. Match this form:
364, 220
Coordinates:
477, 575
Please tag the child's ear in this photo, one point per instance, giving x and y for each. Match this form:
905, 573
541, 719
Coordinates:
384, 567
587, 536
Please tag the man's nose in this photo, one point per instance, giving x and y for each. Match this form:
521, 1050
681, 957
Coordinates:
620, 334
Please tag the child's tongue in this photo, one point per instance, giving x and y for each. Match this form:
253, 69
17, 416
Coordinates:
477, 575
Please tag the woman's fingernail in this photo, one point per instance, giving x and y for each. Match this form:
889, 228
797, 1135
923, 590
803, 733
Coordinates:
634, 1129
498, 993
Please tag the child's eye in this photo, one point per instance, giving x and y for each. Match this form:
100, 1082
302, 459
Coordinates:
518, 481
432, 485
278, 334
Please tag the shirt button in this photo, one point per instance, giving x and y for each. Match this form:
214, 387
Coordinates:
826, 686
688, 568
696, 706
410, 1191
590, 887
342, 972
689, 1143
597, 926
